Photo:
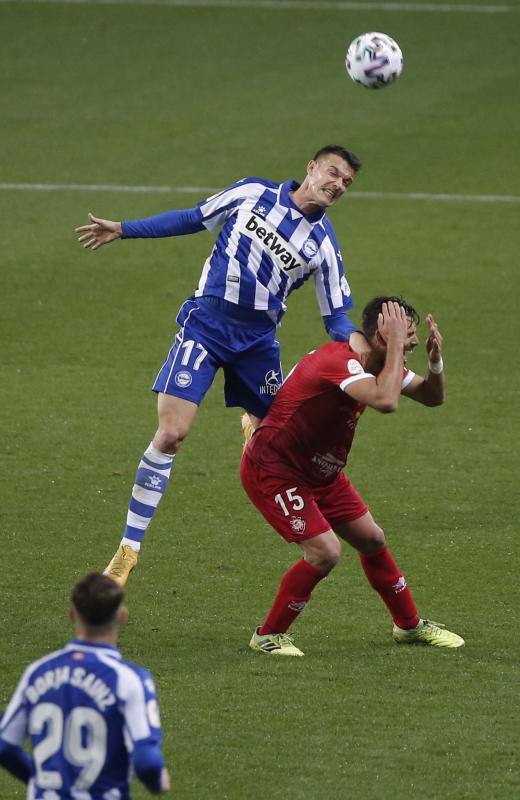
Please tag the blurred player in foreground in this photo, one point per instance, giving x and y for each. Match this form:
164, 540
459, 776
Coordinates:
292, 469
273, 237
89, 714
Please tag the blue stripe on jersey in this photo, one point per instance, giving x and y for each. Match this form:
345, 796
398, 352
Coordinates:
298, 283
283, 292
247, 280
265, 270
326, 282
288, 225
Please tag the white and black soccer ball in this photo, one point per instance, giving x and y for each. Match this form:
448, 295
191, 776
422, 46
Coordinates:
374, 60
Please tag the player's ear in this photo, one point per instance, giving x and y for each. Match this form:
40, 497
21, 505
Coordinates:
122, 615
310, 166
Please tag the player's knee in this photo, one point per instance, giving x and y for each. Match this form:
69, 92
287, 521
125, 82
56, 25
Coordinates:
374, 541
169, 437
326, 556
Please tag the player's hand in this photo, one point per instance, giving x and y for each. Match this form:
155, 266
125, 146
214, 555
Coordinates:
434, 341
166, 784
99, 232
392, 322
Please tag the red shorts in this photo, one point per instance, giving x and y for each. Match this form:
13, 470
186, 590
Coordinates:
297, 511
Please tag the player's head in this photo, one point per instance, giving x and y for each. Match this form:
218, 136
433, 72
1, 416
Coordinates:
330, 173
370, 316
97, 604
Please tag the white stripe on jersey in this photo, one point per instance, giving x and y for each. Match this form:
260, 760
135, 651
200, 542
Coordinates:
131, 692
354, 378
408, 378
233, 274
224, 198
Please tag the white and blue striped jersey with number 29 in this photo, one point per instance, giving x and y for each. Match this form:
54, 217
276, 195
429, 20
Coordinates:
266, 248
90, 717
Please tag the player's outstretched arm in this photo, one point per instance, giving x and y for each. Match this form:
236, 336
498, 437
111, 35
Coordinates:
99, 232
382, 392
430, 390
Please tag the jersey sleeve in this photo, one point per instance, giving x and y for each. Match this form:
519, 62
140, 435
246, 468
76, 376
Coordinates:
143, 724
208, 215
217, 209
341, 366
140, 705
408, 376
332, 288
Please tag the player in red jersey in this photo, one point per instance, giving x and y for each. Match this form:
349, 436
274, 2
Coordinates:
292, 468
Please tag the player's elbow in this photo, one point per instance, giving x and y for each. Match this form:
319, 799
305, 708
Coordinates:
435, 400
387, 406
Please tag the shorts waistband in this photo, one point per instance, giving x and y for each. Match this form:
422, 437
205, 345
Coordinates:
242, 316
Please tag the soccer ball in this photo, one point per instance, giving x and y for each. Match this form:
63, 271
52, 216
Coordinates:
374, 60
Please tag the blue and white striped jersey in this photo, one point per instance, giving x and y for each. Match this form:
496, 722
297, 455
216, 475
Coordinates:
88, 714
266, 247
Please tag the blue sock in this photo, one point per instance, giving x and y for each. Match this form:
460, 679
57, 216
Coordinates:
151, 480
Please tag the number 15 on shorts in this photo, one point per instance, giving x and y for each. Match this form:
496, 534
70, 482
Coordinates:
291, 499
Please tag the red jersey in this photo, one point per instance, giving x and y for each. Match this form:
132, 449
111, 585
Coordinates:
310, 426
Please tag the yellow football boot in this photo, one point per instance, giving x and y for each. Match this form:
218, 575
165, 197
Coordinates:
428, 632
122, 564
274, 644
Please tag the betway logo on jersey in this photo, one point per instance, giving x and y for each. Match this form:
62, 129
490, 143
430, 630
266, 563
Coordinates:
284, 255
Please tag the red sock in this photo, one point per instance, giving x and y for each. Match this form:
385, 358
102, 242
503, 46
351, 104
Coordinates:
294, 592
387, 579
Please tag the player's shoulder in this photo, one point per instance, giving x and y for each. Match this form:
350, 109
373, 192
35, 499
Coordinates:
337, 359
254, 183
334, 351
140, 674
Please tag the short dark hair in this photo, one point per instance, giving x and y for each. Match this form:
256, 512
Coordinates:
372, 310
96, 598
347, 155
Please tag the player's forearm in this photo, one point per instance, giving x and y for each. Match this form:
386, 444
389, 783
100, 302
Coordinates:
433, 389
171, 223
16, 761
339, 326
388, 382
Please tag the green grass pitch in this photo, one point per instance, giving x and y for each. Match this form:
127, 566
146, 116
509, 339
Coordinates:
201, 96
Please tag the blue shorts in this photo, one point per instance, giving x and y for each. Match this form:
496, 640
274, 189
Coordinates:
208, 339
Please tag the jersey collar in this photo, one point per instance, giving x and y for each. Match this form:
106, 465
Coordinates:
286, 199
79, 644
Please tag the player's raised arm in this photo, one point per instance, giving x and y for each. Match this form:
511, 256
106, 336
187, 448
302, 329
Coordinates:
98, 233
382, 391
430, 390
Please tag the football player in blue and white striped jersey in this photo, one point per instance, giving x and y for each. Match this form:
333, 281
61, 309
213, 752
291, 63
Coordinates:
273, 237
91, 717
